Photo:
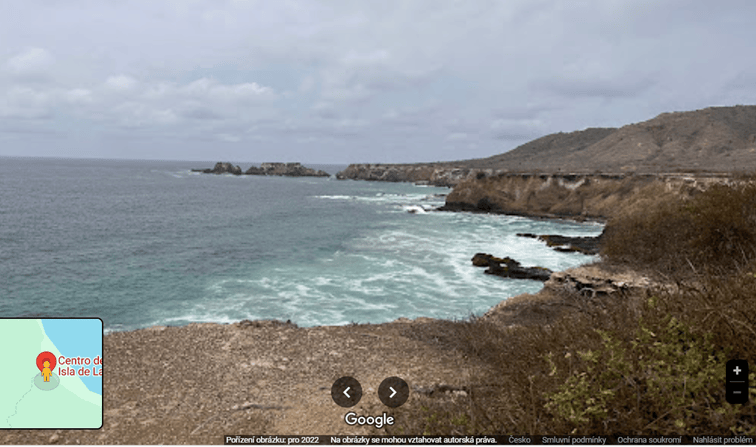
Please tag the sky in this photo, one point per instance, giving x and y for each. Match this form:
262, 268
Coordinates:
354, 81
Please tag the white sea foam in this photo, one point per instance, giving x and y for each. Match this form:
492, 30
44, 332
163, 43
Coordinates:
414, 209
402, 267
337, 197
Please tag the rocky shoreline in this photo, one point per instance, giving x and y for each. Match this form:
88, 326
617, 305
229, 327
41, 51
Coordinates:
193, 384
280, 169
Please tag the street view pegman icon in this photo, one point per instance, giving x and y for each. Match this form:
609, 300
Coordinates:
46, 371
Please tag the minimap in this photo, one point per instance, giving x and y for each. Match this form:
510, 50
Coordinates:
51, 373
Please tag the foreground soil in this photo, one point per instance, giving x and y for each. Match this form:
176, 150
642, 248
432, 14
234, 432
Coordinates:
194, 384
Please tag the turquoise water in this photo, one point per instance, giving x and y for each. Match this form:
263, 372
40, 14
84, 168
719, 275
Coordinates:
143, 243
78, 338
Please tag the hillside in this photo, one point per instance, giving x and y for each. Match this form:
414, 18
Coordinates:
713, 140
546, 153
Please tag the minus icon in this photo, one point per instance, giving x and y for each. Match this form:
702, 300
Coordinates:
736, 392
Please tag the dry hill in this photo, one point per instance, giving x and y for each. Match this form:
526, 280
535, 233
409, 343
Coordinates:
712, 140
716, 139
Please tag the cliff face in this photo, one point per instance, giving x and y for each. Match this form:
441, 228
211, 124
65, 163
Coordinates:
593, 196
436, 174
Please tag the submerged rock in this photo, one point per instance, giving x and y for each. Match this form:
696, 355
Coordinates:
509, 268
589, 245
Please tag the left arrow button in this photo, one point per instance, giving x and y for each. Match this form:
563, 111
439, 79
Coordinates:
346, 392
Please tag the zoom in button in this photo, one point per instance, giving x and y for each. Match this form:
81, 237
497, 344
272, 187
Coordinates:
346, 392
737, 382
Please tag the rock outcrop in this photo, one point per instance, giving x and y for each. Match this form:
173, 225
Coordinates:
589, 245
286, 169
509, 268
283, 169
586, 287
593, 280
221, 168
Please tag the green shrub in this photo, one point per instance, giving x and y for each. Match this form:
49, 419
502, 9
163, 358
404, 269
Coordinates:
667, 379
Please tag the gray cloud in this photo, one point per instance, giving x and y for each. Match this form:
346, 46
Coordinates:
31, 64
350, 81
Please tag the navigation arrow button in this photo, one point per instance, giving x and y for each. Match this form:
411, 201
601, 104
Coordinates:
393, 392
346, 392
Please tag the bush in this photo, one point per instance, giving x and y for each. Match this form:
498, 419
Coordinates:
714, 231
667, 380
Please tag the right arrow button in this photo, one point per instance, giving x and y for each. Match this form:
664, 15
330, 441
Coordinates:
393, 392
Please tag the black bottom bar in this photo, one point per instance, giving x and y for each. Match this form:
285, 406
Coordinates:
487, 440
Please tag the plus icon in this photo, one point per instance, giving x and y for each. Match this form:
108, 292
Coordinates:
737, 384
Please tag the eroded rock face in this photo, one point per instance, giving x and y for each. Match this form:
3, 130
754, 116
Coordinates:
509, 268
574, 196
592, 280
424, 174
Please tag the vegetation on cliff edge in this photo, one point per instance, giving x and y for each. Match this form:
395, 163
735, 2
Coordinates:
651, 364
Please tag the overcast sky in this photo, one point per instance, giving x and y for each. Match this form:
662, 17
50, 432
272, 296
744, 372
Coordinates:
354, 81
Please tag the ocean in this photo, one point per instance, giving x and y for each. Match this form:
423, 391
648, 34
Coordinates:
144, 243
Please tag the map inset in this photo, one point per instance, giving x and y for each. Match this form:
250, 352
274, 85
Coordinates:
51, 374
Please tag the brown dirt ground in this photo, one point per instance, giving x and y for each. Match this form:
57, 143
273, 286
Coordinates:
194, 384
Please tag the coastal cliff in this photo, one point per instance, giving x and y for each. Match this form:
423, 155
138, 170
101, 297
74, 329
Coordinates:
435, 174
576, 196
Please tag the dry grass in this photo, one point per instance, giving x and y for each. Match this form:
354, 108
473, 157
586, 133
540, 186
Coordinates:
713, 231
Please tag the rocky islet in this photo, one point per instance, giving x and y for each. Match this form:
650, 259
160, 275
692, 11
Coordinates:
280, 169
